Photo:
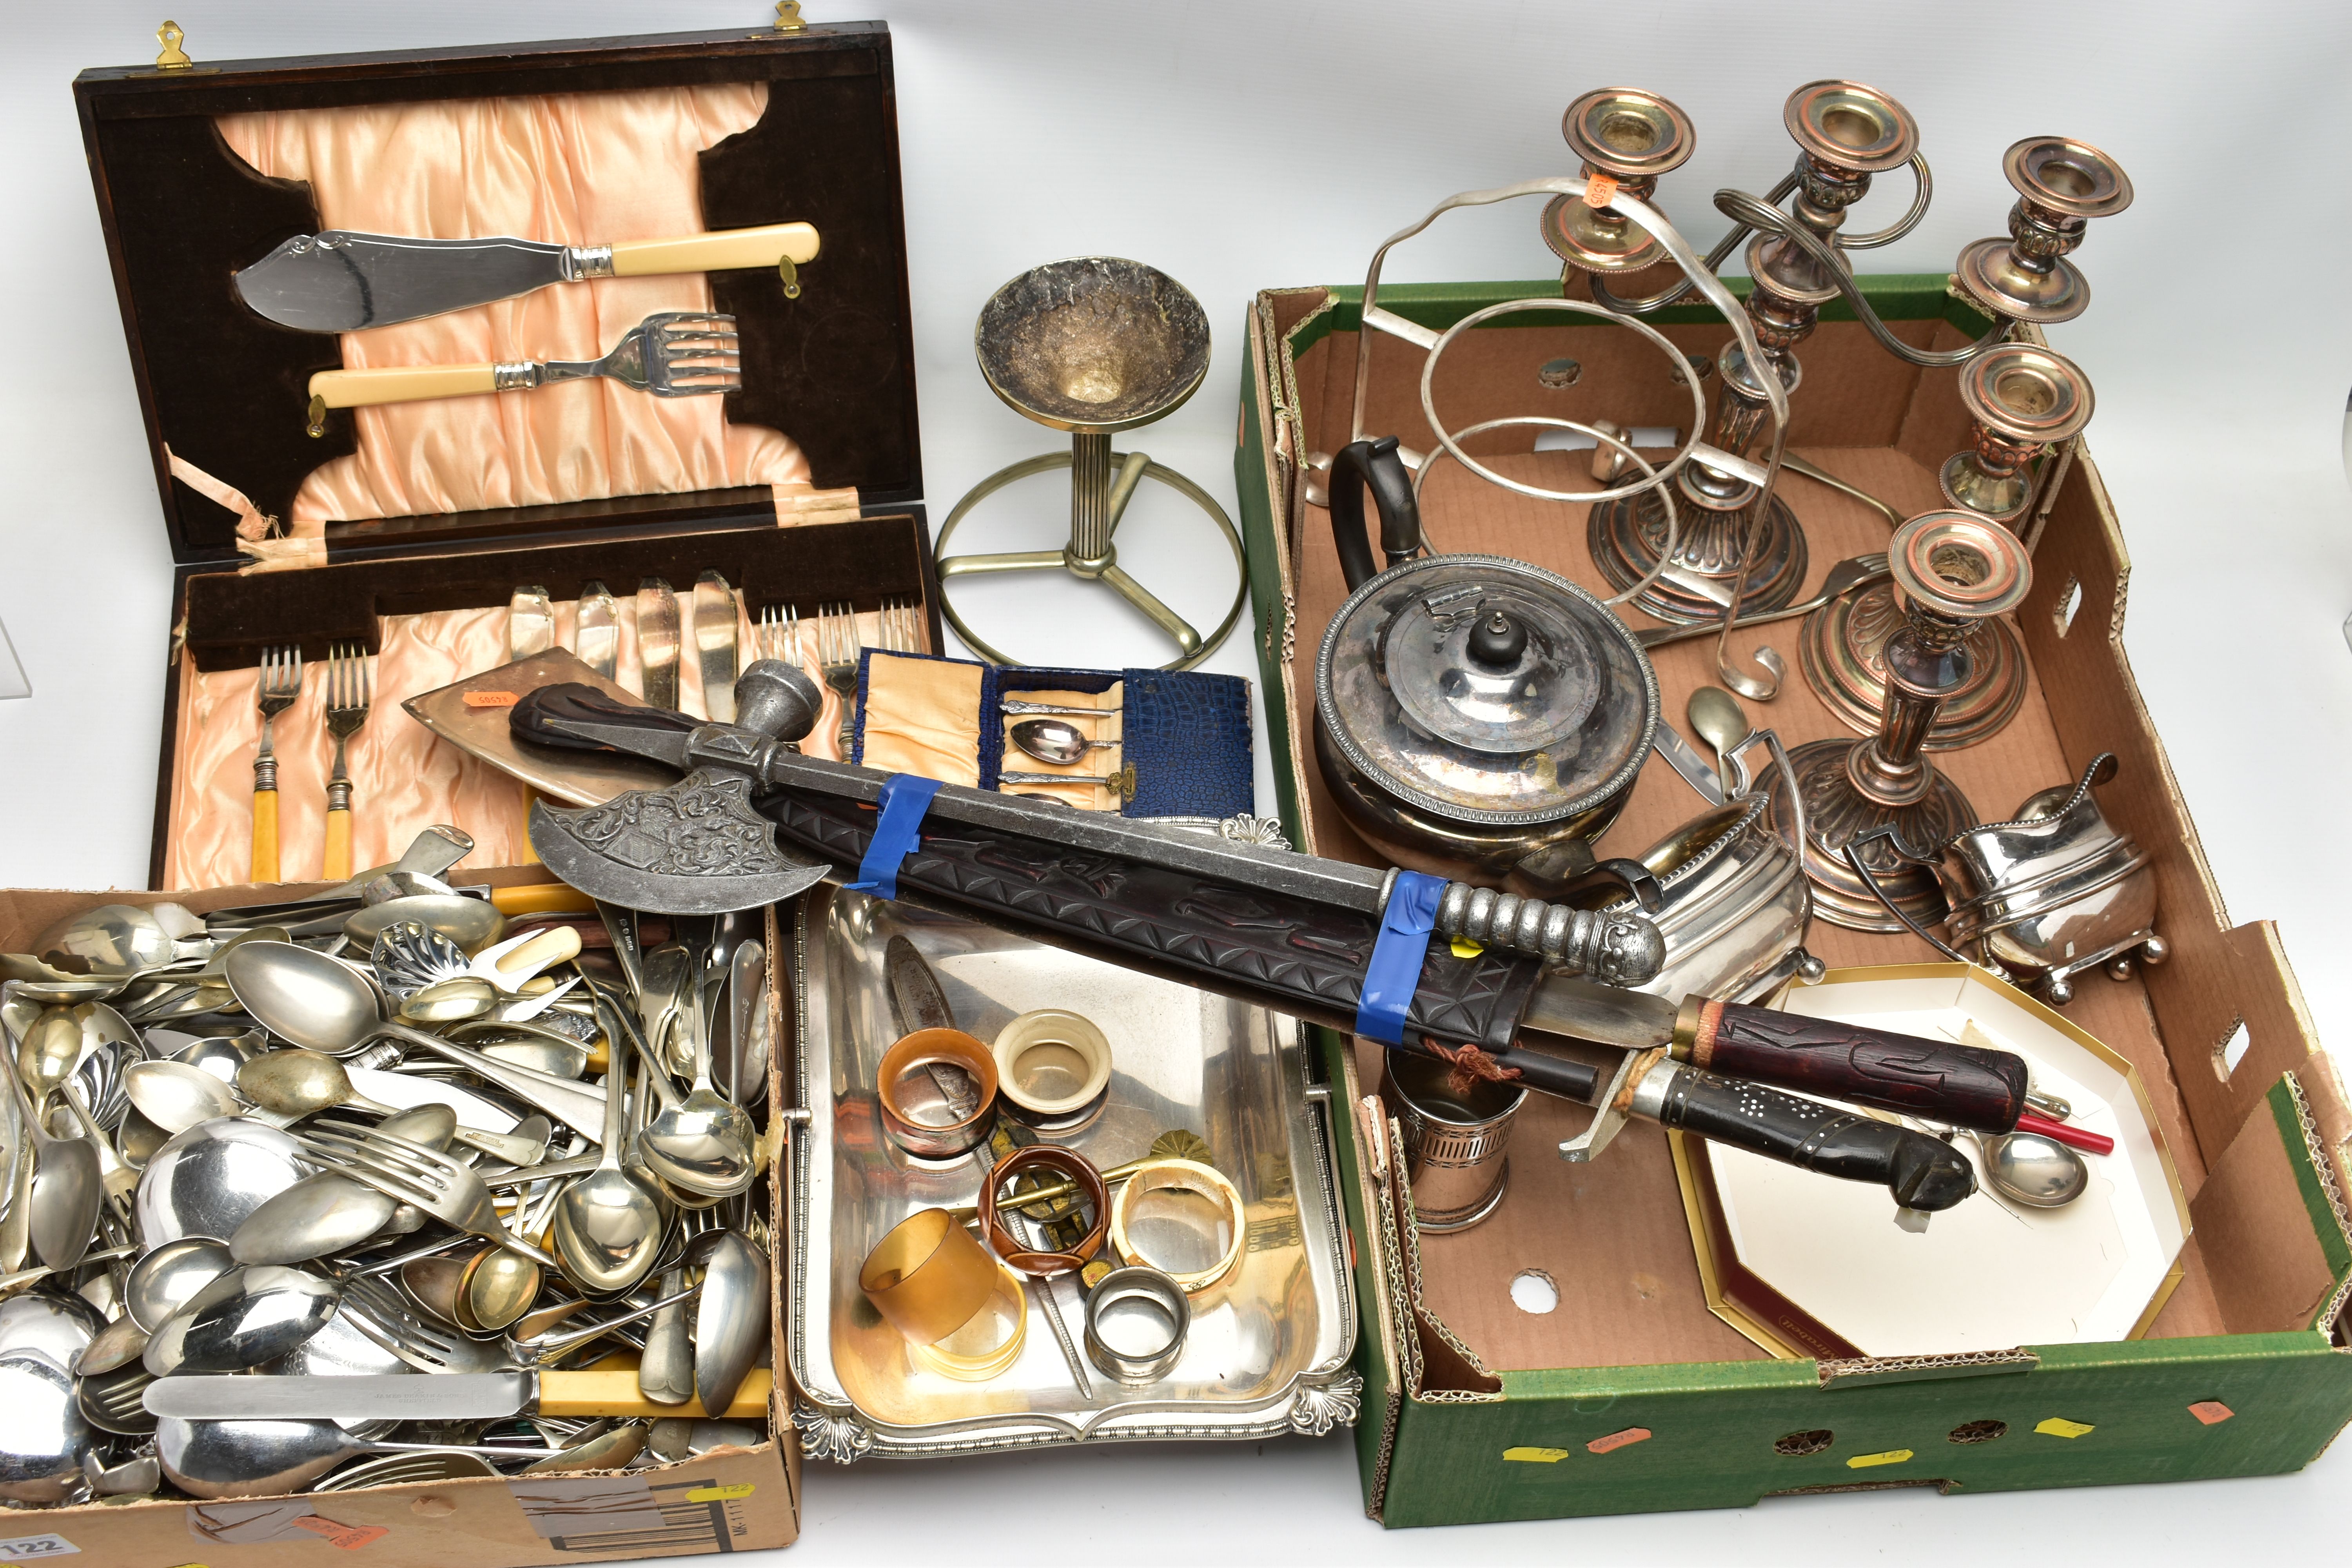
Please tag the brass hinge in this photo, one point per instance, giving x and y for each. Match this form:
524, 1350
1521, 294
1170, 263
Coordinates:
788, 16
174, 58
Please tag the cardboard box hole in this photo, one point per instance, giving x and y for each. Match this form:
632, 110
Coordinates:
1533, 1290
2231, 1051
2068, 603
1797, 1444
1977, 1432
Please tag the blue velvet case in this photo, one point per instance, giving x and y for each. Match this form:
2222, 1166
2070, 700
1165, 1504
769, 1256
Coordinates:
1188, 734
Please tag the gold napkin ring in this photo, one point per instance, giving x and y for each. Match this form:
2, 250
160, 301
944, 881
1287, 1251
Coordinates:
1181, 1175
928, 1277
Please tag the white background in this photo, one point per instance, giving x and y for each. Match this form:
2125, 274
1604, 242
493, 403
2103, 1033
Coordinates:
1239, 146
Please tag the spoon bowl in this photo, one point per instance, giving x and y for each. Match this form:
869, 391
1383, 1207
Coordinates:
1055, 740
176, 1095
320, 1216
217, 1459
731, 1320
249, 1315
170, 1277
2027, 1168
607, 1226
45, 1434
1722, 724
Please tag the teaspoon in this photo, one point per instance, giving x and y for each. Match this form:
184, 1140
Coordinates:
1722, 724
297, 1083
2027, 1168
703, 1143
1055, 740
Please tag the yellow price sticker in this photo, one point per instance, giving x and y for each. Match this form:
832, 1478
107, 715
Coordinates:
2059, 1427
1536, 1456
1464, 948
721, 1494
1891, 1456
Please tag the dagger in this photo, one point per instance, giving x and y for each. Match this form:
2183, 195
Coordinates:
341, 281
755, 821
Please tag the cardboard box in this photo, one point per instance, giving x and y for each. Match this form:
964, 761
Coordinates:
732, 1499
1631, 1395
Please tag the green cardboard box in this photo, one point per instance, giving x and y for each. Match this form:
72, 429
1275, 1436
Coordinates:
1632, 1394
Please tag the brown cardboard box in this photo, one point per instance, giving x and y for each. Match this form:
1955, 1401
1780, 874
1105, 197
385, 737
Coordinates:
733, 1499
1632, 1394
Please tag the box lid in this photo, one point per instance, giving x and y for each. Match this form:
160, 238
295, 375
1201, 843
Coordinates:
226, 391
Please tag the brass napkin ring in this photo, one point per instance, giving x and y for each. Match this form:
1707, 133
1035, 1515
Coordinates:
928, 1277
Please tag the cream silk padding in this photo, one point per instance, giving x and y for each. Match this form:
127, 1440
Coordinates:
570, 168
922, 716
404, 780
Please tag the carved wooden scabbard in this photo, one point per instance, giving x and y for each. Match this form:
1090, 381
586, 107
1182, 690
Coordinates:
1303, 959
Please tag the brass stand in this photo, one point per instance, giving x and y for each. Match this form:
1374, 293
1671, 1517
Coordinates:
1845, 132
1957, 572
1092, 346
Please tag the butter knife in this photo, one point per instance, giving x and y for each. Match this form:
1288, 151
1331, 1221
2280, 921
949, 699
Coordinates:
530, 623
714, 642
658, 641
597, 635
1684, 758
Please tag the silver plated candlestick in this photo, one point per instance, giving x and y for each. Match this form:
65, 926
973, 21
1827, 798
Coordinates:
2061, 184
1845, 132
1956, 571
2024, 399
1631, 137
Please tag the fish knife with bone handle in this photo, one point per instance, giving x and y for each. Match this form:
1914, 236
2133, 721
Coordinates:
341, 281
1526, 993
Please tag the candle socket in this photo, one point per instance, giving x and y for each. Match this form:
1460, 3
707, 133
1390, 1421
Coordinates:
2061, 185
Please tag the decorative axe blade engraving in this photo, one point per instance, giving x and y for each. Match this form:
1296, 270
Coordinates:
695, 848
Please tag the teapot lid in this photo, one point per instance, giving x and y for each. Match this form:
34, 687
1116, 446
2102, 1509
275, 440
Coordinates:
1486, 691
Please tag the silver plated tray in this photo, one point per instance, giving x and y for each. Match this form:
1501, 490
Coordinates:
1268, 1351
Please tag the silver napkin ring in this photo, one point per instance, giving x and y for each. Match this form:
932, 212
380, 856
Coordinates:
1153, 1317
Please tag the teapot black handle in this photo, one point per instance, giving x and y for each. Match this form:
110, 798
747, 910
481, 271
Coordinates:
1377, 464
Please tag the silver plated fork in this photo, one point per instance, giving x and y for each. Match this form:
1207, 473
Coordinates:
447, 1189
777, 633
838, 647
1848, 575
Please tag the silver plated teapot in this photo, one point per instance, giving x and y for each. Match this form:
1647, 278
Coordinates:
1475, 716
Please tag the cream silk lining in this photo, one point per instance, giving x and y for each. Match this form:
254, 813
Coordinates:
577, 169
570, 168
922, 716
403, 779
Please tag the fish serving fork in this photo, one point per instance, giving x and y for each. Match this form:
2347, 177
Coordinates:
676, 353
280, 683
349, 689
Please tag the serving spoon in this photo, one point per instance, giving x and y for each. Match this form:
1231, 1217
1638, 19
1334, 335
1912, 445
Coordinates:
608, 1224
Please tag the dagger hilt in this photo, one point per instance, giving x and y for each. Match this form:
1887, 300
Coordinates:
1616, 948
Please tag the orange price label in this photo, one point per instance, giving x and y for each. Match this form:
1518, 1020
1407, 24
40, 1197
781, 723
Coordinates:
350, 1537
491, 698
1599, 191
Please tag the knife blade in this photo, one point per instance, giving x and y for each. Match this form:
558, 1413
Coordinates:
341, 281
530, 623
919, 1003
657, 631
714, 642
442, 1397
597, 631
1684, 758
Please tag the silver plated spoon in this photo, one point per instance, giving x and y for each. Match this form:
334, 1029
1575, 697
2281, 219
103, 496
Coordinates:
1055, 740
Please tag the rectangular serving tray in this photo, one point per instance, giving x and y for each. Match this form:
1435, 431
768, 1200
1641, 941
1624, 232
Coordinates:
1269, 1350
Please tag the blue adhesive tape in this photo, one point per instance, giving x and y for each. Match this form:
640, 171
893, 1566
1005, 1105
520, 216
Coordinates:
897, 830
1394, 971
